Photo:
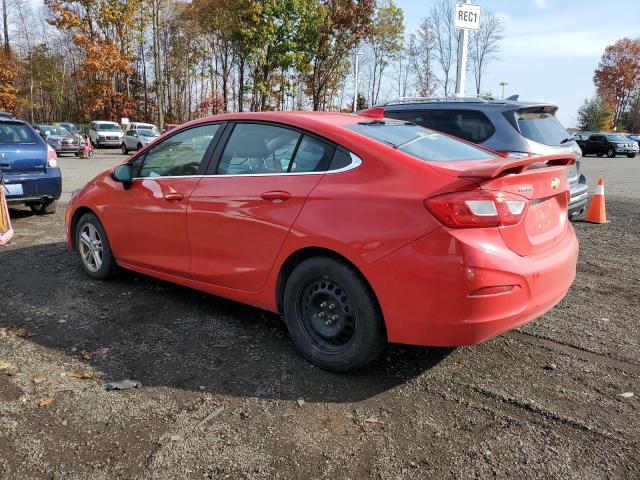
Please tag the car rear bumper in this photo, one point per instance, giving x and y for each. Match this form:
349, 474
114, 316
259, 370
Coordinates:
428, 290
68, 149
579, 196
34, 186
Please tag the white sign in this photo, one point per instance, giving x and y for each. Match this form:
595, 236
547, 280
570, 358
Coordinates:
467, 16
124, 121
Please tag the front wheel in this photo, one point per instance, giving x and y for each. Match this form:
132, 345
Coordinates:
93, 248
124, 148
139, 146
611, 153
332, 315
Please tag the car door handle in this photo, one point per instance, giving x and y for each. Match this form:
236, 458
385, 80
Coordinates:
173, 196
275, 196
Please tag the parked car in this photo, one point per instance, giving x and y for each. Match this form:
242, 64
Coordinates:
60, 139
105, 134
609, 144
136, 138
29, 165
517, 129
70, 127
143, 126
635, 138
6, 115
169, 126
358, 229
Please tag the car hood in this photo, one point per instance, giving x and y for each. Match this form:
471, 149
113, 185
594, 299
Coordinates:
62, 137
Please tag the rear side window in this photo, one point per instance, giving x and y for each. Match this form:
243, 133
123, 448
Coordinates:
419, 142
470, 125
541, 126
15, 133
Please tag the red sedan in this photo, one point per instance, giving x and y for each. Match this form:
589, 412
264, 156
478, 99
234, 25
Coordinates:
358, 229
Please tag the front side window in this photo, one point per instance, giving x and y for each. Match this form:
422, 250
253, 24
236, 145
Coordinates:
258, 149
179, 155
419, 142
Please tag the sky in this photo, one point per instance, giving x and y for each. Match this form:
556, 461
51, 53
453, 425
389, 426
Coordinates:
550, 48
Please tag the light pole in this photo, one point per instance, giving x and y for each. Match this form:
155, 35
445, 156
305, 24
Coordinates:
356, 61
503, 84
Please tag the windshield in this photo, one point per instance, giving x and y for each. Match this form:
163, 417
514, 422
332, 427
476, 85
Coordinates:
108, 126
48, 130
420, 142
147, 133
15, 133
541, 127
616, 138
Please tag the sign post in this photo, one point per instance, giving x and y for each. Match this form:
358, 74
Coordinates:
467, 17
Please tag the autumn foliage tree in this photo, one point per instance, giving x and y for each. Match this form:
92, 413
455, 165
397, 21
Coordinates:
8, 75
618, 75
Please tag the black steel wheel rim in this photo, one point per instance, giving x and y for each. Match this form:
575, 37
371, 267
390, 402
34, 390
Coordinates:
327, 314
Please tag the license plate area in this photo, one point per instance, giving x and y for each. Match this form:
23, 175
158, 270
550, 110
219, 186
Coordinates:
13, 189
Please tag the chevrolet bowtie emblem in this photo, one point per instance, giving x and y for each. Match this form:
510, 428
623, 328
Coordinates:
555, 183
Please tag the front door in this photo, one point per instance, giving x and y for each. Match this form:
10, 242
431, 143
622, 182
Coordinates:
239, 217
147, 223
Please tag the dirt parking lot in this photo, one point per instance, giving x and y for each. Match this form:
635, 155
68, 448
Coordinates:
225, 394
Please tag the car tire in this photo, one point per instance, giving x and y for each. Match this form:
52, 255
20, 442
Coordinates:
598, 154
322, 290
139, 146
611, 153
631, 155
94, 251
124, 149
46, 207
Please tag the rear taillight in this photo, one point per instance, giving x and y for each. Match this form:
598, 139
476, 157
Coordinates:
51, 157
477, 208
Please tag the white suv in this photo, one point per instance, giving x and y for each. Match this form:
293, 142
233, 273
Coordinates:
105, 134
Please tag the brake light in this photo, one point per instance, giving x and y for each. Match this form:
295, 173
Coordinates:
516, 155
51, 157
477, 209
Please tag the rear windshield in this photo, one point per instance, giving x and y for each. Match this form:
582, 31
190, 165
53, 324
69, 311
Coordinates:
420, 142
541, 127
15, 133
108, 126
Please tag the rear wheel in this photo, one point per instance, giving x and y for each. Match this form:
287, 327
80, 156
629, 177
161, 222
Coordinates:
631, 155
124, 148
611, 153
46, 207
93, 248
332, 315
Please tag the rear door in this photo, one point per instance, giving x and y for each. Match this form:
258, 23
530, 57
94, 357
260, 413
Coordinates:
241, 212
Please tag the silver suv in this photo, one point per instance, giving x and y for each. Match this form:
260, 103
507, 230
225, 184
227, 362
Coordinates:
507, 126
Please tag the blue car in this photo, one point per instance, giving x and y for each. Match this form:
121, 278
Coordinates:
29, 166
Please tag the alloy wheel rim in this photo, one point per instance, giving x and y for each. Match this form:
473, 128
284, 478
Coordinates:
328, 317
91, 250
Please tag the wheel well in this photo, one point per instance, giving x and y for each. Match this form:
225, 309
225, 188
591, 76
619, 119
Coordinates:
298, 257
74, 222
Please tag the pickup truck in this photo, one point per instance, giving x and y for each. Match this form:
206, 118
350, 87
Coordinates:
609, 144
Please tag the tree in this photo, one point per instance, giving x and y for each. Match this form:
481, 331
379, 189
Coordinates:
334, 31
421, 54
445, 41
385, 42
484, 45
592, 114
8, 74
618, 75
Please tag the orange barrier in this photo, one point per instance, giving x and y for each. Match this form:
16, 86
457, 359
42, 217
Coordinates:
597, 212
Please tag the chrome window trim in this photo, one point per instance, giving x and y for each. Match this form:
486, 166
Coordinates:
356, 161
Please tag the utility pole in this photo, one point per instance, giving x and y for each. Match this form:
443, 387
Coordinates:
503, 84
463, 48
356, 61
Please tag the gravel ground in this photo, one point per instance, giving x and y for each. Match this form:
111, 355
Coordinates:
225, 395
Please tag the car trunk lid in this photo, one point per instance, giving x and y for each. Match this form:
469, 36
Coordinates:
540, 180
22, 158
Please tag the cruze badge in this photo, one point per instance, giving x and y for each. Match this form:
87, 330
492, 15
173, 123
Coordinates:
525, 188
555, 183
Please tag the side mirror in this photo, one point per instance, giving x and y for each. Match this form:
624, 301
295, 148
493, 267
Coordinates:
123, 174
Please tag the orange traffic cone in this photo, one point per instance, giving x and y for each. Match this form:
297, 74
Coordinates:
597, 212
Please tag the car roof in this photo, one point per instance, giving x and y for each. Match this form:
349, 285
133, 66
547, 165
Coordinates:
470, 103
299, 119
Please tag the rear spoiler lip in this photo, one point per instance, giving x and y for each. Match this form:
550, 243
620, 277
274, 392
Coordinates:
485, 169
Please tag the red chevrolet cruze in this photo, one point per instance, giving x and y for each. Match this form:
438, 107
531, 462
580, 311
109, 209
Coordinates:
358, 229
